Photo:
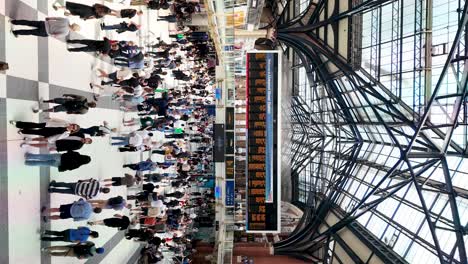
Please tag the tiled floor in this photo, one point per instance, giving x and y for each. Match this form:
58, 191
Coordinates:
42, 68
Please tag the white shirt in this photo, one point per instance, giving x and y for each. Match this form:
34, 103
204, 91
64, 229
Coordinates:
136, 140
55, 122
54, 138
157, 203
73, 138
180, 124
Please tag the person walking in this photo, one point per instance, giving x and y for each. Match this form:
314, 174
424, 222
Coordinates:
136, 139
175, 194
126, 13
118, 221
134, 62
52, 26
67, 161
78, 235
83, 11
98, 131
142, 165
128, 180
91, 45
79, 210
115, 77
117, 203
80, 250
121, 27
87, 189
50, 128
169, 18
69, 103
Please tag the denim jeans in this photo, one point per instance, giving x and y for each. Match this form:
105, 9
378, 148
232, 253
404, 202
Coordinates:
111, 27
43, 159
122, 141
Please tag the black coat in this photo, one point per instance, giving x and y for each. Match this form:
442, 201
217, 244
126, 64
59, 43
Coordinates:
72, 160
68, 145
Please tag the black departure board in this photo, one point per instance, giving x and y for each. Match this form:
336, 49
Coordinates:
263, 201
229, 118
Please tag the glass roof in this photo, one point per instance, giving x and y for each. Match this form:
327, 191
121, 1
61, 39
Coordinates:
357, 135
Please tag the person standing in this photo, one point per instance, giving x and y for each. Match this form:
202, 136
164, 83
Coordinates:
52, 26
67, 161
70, 103
80, 250
79, 210
87, 189
74, 141
122, 27
78, 235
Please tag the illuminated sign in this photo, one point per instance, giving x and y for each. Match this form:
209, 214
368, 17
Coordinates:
229, 167
230, 193
263, 133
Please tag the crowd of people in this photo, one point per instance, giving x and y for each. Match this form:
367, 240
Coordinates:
173, 123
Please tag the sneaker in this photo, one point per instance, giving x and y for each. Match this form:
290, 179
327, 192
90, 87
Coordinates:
43, 249
22, 145
14, 34
13, 122
45, 219
52, 183
35, 110
43, 208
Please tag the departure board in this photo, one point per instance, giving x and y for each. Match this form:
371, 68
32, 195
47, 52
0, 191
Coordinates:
263, 167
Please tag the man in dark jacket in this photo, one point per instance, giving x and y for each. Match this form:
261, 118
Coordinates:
74, 141
42, 129
70, 103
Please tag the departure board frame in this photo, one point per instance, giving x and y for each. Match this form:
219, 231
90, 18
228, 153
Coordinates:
263, 126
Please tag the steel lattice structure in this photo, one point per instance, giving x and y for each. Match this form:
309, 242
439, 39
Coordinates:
379, 124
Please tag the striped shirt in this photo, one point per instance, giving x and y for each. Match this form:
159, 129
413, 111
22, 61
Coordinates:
87, 189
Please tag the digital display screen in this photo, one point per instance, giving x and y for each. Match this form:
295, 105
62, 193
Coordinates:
262, 175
